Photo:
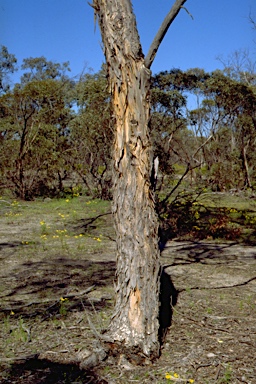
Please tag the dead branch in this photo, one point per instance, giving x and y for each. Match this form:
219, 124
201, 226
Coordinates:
189, 168
188, 12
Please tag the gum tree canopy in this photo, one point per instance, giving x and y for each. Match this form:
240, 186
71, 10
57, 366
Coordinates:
135, 321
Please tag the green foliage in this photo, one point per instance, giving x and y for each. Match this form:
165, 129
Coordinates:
34, 133
7, 65
227, 375
41, 69
57, 133
92, 135
202, 215
167, 121
222, 127
63, 306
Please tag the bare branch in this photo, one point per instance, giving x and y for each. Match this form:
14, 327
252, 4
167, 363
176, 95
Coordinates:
189, 168
188, 12
252, 20
162, 31
201, 146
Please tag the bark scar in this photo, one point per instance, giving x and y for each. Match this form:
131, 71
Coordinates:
135, 315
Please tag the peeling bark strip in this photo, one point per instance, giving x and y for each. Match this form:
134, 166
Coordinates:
135, 319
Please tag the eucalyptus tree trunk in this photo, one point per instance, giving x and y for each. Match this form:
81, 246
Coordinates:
247, 179
135, 319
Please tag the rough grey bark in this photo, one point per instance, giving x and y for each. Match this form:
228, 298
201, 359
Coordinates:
135, 320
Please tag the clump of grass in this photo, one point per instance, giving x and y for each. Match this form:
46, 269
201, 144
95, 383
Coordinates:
227, 375
63, 306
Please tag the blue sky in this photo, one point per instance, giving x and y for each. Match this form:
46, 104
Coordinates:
63, 30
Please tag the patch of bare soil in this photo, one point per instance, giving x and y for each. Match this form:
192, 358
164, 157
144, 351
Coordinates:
213, 334
50, 305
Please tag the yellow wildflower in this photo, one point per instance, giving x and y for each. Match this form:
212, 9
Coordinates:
197, 215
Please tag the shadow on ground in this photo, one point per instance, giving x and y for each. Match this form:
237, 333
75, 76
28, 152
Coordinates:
168, 299
188, 252
11, 244
36, 371
212, 257
36, 287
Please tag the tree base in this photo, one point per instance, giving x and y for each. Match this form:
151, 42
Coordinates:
133, 355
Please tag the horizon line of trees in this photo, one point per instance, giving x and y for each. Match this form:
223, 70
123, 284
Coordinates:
56, 130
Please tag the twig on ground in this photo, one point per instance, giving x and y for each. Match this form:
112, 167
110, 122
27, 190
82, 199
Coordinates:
218, 372
99, 336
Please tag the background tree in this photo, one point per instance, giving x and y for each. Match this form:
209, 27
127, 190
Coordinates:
7, 66
229, 104
167, 122
39, 68
223, 104
34, 132
91, 135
